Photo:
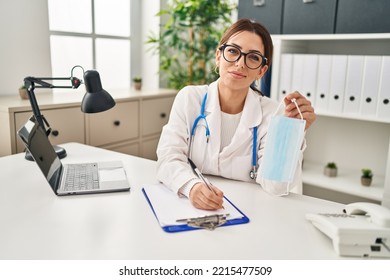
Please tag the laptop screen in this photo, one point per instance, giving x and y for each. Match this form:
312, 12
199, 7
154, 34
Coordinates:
35, 139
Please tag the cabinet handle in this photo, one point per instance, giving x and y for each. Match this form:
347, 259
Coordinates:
258, 3
322, 95
55, 133
163, 115
336, 97
117, 123
386, 101
307, 1
352, 98
368, 99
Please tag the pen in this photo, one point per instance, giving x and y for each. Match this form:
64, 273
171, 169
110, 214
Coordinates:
200, 175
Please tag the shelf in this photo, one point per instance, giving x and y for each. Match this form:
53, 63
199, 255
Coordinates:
347, 181
351, 140
352, 116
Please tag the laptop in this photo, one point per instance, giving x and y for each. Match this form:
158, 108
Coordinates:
70, 179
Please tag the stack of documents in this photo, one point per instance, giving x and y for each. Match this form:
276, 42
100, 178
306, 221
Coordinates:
170, 209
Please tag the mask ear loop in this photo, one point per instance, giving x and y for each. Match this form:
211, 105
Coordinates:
293, 101
296, 105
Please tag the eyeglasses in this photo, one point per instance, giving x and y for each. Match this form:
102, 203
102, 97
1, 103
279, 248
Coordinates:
253, 60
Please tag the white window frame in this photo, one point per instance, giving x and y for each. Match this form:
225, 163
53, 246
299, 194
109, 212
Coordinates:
134, 38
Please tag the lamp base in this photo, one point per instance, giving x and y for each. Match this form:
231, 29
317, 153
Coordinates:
61, 153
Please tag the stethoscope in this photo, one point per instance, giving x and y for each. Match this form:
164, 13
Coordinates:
202, 116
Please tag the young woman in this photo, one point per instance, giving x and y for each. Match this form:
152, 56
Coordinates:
214, 125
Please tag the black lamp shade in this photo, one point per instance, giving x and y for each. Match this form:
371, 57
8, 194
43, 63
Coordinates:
96, 99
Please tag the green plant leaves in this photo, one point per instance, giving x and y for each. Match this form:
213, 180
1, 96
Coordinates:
188, 41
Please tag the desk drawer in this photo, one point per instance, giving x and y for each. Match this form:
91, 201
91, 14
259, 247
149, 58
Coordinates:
118, 124
67, 125
155, 114
130, 148
149, 148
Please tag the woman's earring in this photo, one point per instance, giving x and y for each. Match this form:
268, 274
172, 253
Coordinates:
216, 69
256, 83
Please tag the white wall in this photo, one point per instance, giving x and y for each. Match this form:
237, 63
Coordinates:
386, 193
25, 46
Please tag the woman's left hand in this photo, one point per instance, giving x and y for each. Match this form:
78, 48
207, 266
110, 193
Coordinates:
304, 106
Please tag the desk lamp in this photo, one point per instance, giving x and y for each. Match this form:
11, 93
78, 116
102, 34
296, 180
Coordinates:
95, 100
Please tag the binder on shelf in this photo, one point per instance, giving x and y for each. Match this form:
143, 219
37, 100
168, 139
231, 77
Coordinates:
175, 214
323, 82
370, 86
285, 75
297, 72
383, 111
337, 83
353, 84
309, 76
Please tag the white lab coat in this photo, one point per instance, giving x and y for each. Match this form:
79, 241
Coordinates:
235, 160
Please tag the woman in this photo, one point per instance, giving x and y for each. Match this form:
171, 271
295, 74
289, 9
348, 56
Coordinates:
228, 112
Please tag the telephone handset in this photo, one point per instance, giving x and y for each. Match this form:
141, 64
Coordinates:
378, 214
362, 230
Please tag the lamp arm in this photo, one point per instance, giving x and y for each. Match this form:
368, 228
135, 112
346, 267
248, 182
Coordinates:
95, 100
29, 83
76, 82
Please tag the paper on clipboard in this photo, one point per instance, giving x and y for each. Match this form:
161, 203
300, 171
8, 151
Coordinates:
169, 208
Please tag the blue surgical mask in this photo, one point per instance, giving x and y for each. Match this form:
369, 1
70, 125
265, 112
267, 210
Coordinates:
281, 153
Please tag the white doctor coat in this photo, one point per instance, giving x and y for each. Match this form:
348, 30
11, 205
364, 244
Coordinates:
235, 160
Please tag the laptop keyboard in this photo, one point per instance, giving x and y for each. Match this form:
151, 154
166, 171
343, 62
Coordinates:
82, 177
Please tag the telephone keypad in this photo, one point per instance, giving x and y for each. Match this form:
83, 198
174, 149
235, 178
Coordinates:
334, 215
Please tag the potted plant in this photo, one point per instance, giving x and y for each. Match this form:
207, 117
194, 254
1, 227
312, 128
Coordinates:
23, 92
366, 178
137, 82
330, 169
188, 40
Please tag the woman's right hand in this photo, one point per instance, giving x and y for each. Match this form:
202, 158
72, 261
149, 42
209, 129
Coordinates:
203, 198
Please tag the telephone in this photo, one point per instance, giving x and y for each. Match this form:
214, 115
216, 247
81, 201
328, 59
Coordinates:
363, 229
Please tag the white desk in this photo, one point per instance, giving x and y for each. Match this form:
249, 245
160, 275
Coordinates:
36, 224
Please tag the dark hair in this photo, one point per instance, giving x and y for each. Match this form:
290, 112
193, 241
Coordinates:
245, 24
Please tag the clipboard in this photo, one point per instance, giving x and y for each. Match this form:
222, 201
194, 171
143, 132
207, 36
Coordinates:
175, 214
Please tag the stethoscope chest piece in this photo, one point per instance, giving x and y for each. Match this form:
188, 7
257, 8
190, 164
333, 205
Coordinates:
252, 174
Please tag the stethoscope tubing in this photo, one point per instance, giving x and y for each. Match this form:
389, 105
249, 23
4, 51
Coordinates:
252, 173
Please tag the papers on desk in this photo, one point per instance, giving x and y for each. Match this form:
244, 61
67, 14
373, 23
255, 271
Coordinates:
168, 208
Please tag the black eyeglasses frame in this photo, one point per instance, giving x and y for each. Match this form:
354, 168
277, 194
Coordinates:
264, 59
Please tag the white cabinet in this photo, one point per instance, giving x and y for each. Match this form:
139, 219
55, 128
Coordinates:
131, 148
154, 115
133, 126
72, 130
115, 125
149, 147
352, 140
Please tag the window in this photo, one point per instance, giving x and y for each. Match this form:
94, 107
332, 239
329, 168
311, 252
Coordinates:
94, 34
